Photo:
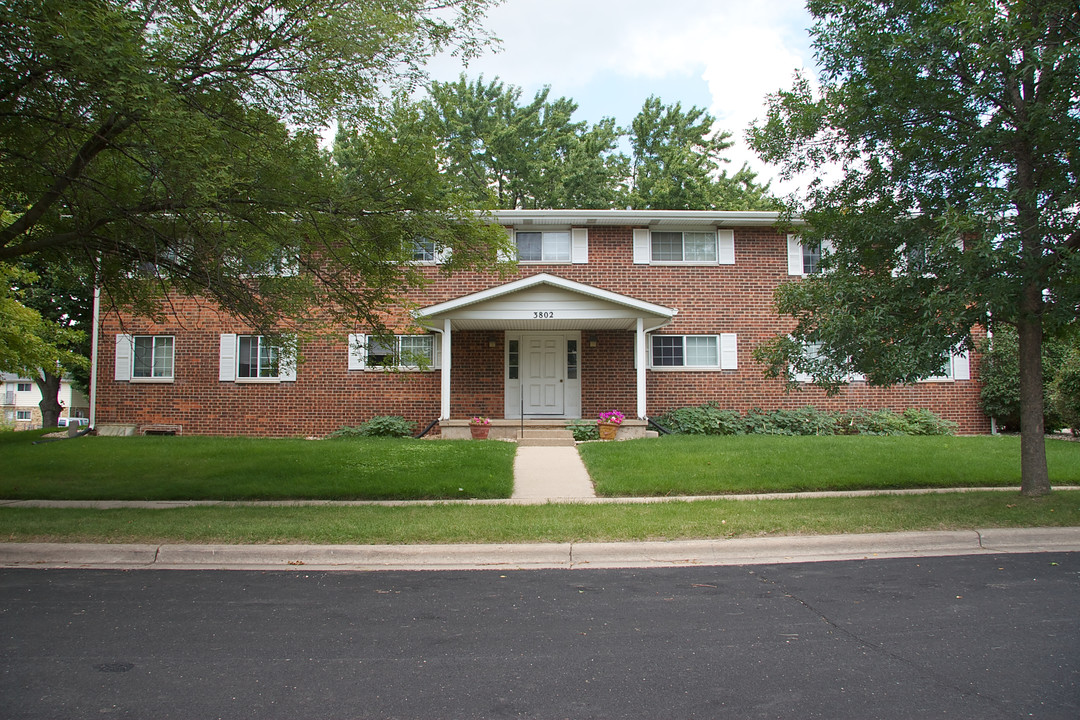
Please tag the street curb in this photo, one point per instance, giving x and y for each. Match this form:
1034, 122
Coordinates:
568, 556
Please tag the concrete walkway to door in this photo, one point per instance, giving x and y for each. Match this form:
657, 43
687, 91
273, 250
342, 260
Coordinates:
550, 473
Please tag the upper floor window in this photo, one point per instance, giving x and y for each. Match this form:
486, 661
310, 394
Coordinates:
804, 258
686, 247
424, 250
543, 246
691, 247
22, 387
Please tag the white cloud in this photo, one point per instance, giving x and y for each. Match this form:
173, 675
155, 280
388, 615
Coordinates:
739, 51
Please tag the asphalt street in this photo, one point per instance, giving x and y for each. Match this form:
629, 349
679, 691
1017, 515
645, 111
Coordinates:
959, 637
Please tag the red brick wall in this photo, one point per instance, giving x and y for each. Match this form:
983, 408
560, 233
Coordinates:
326, 395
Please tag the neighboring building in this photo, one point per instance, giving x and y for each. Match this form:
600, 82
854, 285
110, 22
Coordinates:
641, 311
21, 402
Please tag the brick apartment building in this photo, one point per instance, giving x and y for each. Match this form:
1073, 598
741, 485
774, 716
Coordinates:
640, 311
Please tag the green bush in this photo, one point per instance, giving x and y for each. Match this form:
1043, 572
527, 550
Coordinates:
378, 426
1000, 376
584, 430
705, 419
1065, 390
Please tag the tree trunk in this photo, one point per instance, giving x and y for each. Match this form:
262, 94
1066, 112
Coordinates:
1034, 477
49, 384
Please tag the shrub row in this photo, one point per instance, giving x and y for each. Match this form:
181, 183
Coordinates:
708, 419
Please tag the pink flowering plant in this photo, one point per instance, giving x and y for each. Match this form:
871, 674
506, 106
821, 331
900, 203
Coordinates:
613, 417
477, 420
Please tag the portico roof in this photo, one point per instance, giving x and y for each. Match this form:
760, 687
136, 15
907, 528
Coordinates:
544, 302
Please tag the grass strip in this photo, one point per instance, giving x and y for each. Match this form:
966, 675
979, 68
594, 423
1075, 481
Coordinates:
206, 468
700, 465
540, 523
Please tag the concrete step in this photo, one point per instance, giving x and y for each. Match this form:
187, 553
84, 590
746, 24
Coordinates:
548, 432
547, 442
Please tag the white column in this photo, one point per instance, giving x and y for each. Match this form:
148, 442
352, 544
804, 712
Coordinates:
639, 352
444, 388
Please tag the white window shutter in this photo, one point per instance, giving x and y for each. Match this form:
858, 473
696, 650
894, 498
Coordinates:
125, 348
227, 358
961, 366
729, 352
443, 255
579, 243
826, 247
287, 361
794, 255
505, 256
356, 352
642, 246
725, 247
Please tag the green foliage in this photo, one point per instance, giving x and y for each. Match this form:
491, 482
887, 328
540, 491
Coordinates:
955, 122
173, 146
677, 156
999, 397
1065, 390
583, 430
378, 426
514, 154
708, 419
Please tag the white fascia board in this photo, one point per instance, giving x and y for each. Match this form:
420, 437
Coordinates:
650, 218
545, 279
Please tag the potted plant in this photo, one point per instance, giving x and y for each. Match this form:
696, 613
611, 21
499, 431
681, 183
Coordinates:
609, 423
479, 427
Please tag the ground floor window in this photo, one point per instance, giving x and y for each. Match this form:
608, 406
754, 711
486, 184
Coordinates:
256, 357
152, 357
23, 415
694, 351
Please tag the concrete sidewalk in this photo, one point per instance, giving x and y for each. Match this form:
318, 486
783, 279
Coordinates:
550, 474
567, 556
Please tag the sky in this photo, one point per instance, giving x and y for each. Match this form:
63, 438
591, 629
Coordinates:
609, 56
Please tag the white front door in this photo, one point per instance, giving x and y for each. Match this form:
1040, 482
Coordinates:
543, 363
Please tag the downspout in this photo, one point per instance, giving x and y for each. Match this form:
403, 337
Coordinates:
94, 357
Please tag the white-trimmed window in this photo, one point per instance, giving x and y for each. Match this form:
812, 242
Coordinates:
684, 247
254, 358
22, 387
152, 357
805, 258
957, 367
426, 251
701, 352
24, 415
145, 358
404, 352
543, 245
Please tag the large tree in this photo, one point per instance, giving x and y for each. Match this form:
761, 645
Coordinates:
523, 155
953, 128
172, 144
677, 161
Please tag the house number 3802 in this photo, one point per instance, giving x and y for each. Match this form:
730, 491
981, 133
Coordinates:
544, 314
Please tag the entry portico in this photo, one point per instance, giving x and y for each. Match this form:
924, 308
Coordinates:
544, 319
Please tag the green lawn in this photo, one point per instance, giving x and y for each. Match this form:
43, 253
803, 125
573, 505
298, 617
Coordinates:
540, 523
202, 468
697, 465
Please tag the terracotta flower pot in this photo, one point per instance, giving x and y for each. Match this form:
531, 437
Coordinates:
479, 432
